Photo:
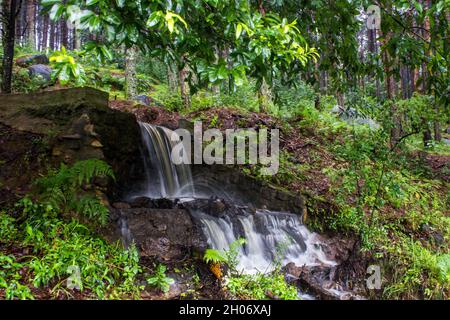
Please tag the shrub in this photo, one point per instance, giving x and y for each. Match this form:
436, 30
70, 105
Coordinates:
61, 189
159, 279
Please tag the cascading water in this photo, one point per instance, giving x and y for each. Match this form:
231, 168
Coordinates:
172, 180
268, 234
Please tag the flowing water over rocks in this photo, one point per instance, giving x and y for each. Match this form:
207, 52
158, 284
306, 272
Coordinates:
169, 220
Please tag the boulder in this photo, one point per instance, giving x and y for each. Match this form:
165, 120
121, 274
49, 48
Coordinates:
83, 127
315, 280
215, 207
29, 60
143, 99
165, 234
148, 203
40, 70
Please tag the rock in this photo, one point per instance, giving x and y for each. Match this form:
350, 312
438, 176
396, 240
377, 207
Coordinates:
163, 204
142, 202
215, 207
438, 237
312, 280
29, 60
41, 70
96, 144
143, 99
165, 234
89, 129
148, 203
121, 205
75, 136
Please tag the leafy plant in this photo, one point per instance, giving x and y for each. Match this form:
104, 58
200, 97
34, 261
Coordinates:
60, 189
214, 256
8, 229
66, 69
105, 270
159, 279
10, 278
262, 287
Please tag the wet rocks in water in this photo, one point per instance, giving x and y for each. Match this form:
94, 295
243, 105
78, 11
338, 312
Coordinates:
215, 207
121, 205
316, 280
145, 202
41, 70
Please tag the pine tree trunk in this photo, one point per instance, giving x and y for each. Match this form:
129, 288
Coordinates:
391, 89
64, 33
52, 36
31, 23
10, 8
45, 32
437, 131
130, 72
427, 136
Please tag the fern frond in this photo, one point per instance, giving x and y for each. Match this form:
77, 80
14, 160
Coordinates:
60, 188
84, 171
92, 208
214, 256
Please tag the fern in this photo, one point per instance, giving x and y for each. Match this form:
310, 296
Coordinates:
91, 207
228, 257
214, 256
85, 171
61, 188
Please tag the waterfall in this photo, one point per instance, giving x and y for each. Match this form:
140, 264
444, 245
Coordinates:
269, 236
163, 178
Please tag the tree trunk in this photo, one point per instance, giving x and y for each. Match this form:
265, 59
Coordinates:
427, 136
437, 131
391, 89
184, 87
31, 24
45, 33
172, 78
130, 72
10, 11
64, 33
52, 36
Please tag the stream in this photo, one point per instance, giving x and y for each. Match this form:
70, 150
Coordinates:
270, 236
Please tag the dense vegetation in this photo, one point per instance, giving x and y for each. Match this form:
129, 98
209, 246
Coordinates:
363, 114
